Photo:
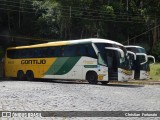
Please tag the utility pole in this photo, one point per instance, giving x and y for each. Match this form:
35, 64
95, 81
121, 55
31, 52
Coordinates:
127, 20
19, 13
8, 15
154, 33
127, 5
70, 11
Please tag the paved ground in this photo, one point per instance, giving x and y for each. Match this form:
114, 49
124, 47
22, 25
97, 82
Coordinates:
73, 96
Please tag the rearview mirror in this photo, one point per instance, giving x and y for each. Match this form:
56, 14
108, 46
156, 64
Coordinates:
143, 55
132, 53
152, 57
116, 49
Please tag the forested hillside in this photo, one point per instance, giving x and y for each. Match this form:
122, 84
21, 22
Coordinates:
126, 21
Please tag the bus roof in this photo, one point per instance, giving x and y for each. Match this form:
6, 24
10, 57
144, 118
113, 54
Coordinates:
132, 46
69, 42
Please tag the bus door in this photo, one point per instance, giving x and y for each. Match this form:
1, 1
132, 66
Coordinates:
132, 59
139, 64
113, 61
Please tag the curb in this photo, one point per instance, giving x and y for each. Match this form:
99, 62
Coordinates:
136, 82
131, 82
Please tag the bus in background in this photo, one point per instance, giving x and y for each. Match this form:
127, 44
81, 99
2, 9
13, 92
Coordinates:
141, 65
94, 60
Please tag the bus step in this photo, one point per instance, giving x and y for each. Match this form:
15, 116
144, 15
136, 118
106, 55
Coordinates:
137, 76
113, 76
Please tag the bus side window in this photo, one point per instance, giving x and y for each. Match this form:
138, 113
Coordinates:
36, 53
69, 51
78, 52
11, 54
48, 52
27, 53
44, 52
82, 50
52, 52
17, 54
90, 51
57, 52
31, 53
62, 51
22, 53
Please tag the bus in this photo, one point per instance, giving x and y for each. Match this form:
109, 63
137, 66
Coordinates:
141, 65
95, 60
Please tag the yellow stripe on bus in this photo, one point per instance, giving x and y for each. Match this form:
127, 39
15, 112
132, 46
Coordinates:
42, 45
34, 64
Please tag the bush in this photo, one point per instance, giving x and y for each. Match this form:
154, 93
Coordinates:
155, 71
156, 52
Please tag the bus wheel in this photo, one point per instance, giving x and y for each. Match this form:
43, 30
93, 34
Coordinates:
104, 82
20, 75
92, 77
29, 75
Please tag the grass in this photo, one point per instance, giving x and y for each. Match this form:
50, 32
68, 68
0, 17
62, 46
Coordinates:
155, 71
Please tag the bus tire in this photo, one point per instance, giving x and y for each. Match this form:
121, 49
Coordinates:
20, 75
92, 77
104, 82
29, 75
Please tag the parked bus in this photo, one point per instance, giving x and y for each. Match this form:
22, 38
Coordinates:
94, 60
141, 65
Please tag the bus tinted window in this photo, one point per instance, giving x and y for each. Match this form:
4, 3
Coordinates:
101, 46
69, 51
90, 51
136, 50
86, 50
81, 50
10, 53
57, 51
50, 51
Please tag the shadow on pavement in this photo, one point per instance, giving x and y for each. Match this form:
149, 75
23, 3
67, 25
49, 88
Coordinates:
76, 82
124, 85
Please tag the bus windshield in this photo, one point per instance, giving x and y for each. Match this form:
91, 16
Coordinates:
136, 49
112, 58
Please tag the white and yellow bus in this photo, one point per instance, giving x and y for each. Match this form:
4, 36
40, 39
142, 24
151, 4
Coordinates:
94, 60
141, 65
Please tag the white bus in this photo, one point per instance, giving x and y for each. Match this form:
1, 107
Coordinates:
141, 65
94, 60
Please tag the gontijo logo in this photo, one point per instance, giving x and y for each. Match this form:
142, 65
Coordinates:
42, 61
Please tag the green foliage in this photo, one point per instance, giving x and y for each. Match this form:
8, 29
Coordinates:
156, 52
155, 71
76, 19
108, 10
46, 24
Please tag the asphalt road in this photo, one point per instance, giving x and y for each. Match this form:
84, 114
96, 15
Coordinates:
77, 96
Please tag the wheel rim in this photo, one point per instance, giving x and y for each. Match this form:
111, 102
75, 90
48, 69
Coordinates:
92, 78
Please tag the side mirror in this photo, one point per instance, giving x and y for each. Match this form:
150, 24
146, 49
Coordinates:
152, 57
116, 49
145, 57
132, 53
